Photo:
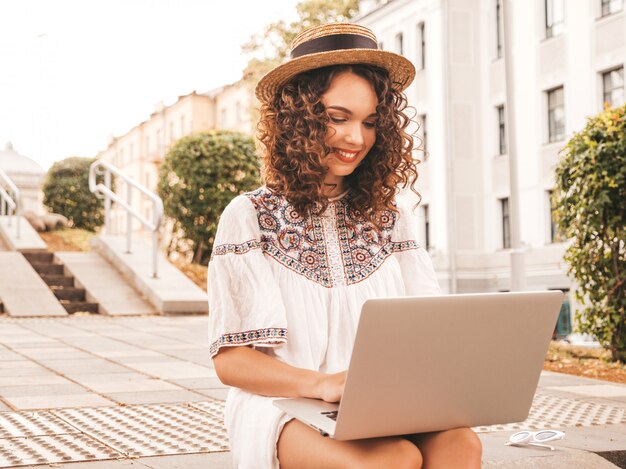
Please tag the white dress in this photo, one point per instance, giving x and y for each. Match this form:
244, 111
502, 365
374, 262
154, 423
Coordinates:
293, 287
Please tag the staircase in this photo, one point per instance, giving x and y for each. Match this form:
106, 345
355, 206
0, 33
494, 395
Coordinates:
62, 285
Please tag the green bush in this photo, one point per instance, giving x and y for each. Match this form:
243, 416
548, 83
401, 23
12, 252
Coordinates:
66, 191
200, 175
591, 209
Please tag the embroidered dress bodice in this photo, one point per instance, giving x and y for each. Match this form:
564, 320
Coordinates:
292, 286
332, 249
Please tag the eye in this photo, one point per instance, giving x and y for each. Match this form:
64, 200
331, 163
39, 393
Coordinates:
369, 125
337, 120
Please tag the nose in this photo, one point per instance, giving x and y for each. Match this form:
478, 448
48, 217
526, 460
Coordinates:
355, 134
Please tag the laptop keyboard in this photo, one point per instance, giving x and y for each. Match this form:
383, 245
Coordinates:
331, 414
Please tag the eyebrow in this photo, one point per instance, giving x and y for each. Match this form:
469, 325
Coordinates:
347, 111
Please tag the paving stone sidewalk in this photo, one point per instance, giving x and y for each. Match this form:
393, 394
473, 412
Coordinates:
101, 392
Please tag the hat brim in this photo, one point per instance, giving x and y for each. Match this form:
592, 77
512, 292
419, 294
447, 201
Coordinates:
401, 70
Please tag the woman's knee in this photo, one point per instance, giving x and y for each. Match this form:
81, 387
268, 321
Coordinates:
466, 440
396, 454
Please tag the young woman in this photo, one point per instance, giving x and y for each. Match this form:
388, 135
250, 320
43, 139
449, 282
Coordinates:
294, 260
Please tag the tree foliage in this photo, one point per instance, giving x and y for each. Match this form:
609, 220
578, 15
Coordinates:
200, 175
66, 191
591, 209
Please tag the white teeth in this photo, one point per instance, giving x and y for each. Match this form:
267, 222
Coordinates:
347, 155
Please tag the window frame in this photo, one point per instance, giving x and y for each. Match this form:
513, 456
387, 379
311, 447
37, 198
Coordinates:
426, 212
399, 43
505, 222
423, 134
499, 30
421, 33
554, 27
606, 10
553, 131
607, 74
502, 143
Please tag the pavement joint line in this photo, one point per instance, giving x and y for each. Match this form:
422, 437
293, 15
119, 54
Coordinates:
58, 373
135, 370
93, 355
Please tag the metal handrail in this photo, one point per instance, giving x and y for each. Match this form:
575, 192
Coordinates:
103, 191
10, 204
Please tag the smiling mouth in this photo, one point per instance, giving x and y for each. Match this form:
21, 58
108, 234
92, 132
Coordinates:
346, 156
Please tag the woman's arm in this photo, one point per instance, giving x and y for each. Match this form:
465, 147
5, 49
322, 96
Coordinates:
256, 372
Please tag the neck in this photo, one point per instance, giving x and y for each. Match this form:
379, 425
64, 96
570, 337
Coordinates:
331, 190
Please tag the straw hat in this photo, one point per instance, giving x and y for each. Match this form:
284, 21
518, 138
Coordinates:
334, 44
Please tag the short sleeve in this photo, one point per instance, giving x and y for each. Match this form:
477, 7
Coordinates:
245, 303
415, 263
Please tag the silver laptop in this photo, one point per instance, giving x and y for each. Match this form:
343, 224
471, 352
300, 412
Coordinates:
422, 364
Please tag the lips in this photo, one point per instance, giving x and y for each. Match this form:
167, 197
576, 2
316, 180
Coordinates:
345, 156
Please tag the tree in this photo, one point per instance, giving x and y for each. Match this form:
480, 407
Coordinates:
200, 175
591, 209
66, 191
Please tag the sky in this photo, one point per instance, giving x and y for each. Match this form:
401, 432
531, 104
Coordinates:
73, 72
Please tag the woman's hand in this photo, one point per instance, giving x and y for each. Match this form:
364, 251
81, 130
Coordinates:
330, 387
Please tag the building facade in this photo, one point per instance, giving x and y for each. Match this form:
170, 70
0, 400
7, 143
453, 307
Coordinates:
568, 60
140, 152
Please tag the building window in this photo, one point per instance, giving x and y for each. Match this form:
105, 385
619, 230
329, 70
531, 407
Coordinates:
171, 132
421, 37
132, 152
506, 223
554, 18
427, 245
224, 118
147, 145
400, 43
423, 134
501, 130
608, 7
613, 87
120, 158
499, 29
556, 115
182, 126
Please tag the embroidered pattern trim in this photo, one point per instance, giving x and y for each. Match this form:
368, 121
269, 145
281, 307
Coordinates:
269, 336
235, 248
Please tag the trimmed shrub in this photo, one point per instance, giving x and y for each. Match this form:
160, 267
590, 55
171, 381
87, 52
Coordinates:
200, 175
66, 191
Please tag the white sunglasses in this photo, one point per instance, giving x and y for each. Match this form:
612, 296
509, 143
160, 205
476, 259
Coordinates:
524, 438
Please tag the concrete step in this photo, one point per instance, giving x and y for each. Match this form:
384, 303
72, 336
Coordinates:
58, 280
22, 291
69, 293
38, 257
28, 240
79, 306
104, 284
55, 269
171, 293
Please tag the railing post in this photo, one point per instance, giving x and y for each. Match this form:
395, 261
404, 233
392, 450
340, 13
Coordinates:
154, 253
107, 203
129, 218
18, 215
